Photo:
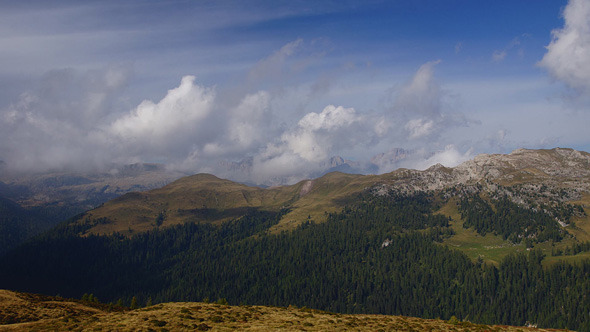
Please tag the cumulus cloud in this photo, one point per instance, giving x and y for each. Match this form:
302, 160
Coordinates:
420, 113
244, 128
161, 126
303, 149
317, 134
423, 94
568, 55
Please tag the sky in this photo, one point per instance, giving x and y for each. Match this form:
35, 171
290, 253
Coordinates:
288, 84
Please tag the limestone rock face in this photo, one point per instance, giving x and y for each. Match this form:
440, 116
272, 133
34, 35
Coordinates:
564, 169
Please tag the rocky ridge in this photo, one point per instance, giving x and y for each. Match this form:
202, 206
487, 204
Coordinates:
563, 169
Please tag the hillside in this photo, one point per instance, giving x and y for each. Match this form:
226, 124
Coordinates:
21, 311
18, 224
501, 239
550, 175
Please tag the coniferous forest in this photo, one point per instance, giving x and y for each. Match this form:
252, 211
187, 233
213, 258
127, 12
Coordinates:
382, 254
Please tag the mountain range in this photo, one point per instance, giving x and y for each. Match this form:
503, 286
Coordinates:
44, 199
542, 177
500, 239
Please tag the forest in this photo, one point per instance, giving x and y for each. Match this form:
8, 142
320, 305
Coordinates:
381, 254
18, 224
511, 221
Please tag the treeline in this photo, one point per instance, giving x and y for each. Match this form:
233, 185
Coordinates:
380, 255
506, 218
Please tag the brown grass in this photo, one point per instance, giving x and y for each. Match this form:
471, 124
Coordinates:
40, 313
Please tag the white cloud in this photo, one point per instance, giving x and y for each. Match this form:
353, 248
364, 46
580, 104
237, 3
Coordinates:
568, 55
419, 127
78, 119
330, 118
54, 124
300, 151
250, 120
317, 135
449, 157
159, 127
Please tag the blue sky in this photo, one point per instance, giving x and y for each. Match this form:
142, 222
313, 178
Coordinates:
288, 84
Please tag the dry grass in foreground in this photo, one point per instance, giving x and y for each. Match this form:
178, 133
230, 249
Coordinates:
20, 311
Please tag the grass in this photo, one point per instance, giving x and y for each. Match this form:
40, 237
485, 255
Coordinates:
582, 229
490, 248
228, 200
571, 259
192, 316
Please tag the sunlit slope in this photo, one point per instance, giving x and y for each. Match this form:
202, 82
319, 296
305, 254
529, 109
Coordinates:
206, 198
197, 198
31, 312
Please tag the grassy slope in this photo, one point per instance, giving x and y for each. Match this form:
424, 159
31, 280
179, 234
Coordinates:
491, 248
581, 233
225, 200
327, 194
582, 229
19, 311
181, 199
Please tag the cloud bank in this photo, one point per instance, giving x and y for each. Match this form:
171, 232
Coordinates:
279, 118
76, 120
